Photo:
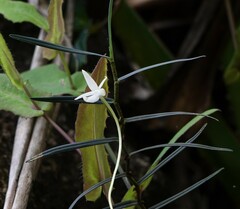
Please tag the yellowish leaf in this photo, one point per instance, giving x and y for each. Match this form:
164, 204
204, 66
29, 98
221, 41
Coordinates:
57, 29
90, 124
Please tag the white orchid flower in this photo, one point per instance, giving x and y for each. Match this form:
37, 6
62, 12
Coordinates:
96, 91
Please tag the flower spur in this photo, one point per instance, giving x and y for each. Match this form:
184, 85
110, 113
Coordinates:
96, 91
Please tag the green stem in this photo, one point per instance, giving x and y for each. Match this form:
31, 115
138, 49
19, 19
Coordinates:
119, 150
120, 119
112, 63
110, 8
66, 69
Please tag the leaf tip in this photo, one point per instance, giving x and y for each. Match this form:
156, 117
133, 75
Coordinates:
34, 158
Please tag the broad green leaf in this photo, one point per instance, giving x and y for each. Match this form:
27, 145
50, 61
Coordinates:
90, 124
43, 81
53, 81
131, 193
8, 66
56, 31
141, 44
16, 101
17, 12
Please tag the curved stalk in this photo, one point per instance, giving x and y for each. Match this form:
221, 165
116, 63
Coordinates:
109, 108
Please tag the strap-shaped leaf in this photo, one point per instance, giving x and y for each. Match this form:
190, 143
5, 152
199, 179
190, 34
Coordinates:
49, 45
157, 65
168, 158
73, 146
164, 114
94, 187
68, 99
185, 191
131, 194
191, 145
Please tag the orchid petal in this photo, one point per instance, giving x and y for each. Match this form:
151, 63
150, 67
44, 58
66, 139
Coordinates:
103, 81
96, 91
90, 82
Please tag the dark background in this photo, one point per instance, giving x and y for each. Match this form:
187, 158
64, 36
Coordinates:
145, 33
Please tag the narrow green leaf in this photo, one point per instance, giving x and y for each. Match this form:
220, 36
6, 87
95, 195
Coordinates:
49, 45
90, 124
57, 30
17, 12
185, 191
8, 66
184, 129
